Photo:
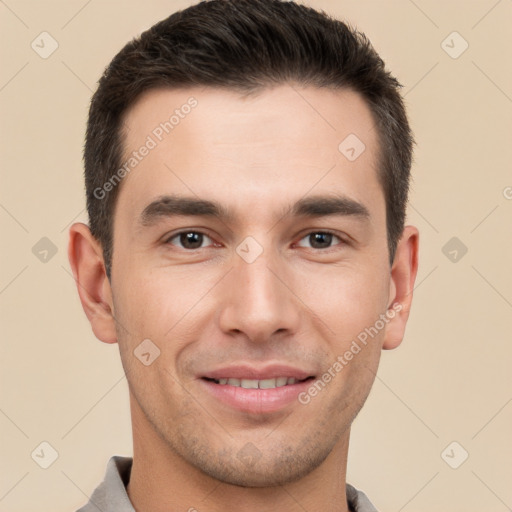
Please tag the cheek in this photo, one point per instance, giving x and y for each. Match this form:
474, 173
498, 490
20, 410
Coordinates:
347, 298
162, 305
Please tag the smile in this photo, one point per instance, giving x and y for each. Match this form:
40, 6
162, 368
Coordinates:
277, 382
252, 390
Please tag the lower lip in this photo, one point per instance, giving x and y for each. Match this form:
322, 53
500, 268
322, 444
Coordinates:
256, 401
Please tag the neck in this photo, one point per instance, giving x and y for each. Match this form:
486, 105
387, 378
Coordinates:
162, 481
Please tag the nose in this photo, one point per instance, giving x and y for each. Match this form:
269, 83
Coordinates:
259, 300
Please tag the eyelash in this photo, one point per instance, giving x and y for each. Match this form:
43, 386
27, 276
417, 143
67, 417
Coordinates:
323, 231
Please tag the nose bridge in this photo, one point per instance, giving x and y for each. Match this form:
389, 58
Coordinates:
258, 302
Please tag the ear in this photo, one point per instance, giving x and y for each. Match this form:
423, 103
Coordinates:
403, 276
86, 259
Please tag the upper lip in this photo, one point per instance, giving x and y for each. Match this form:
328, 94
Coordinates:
250, 372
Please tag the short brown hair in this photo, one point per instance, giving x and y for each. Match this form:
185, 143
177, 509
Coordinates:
245, 45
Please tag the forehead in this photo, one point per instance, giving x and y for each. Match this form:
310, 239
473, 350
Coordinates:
250, 152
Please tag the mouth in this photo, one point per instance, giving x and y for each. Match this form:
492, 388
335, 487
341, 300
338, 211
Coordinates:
256, 391
273, 383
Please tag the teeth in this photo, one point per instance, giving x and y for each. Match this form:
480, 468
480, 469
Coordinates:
261, 384
267, 384
249, 384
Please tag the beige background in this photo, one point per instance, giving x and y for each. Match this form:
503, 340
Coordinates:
450, 379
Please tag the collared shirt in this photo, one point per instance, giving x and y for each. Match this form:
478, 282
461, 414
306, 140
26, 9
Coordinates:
111, 495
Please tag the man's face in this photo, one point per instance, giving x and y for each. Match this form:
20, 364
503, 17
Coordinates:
260, 295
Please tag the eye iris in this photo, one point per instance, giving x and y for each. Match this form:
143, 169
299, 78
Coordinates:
191, 240
324, 239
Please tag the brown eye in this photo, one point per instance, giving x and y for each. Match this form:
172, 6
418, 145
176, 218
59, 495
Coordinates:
189, 239
319, 240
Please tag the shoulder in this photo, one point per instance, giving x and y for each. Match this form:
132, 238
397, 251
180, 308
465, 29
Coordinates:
358, 501
110, 495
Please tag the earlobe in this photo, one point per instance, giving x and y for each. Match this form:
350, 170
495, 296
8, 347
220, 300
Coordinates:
403, 276
86, 260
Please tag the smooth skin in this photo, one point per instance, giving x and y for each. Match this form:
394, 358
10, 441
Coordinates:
299, 303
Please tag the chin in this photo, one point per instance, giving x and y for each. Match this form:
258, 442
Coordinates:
269, 470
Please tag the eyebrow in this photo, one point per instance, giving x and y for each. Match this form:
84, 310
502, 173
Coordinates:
312, 206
